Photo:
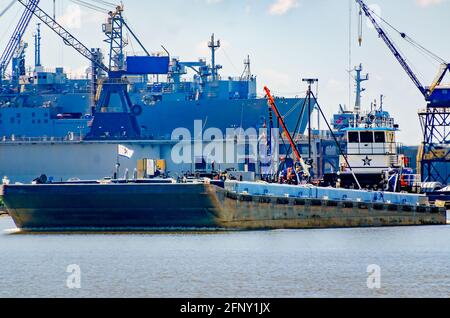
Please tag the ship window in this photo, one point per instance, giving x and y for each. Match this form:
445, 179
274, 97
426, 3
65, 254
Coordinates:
353, 137
33, 114
367, 137
33, 122
391, 137
39, 121
46, 121
12, 120
380, 137
18, 115
46, 115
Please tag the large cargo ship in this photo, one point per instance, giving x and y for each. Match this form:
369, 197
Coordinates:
48, 105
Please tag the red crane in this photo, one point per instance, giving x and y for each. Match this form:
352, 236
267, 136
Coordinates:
274, 107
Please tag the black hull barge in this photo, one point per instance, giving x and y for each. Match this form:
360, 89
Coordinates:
230, 206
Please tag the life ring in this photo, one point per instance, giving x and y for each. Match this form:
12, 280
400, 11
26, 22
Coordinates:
136, 110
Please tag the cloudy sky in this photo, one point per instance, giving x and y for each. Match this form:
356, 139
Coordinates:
287, 40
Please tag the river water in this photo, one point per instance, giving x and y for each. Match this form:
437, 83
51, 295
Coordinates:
412, 262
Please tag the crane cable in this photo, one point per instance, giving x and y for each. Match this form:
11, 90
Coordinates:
106, 3
10, 25
91, 6
87, 6
422, 50
9, 6
410, 40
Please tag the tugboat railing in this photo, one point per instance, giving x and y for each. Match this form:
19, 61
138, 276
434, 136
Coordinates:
389, 148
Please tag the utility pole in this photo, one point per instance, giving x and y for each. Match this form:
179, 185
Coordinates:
310, 82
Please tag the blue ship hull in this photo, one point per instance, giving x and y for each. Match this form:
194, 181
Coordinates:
156, 121
161, 119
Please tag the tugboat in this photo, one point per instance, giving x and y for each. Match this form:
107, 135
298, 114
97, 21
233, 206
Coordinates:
372, 157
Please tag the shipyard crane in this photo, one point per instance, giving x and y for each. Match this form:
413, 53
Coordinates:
435, 120
114, 31
106, 123
18, 63
298, 157
16, 38
434, 93
32, 8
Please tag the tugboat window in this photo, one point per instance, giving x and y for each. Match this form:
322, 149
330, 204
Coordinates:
380, 137
353, 137
367, 137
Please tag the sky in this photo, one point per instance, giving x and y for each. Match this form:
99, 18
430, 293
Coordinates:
287, 40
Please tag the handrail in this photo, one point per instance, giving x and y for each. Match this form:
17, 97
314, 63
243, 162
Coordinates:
387, 148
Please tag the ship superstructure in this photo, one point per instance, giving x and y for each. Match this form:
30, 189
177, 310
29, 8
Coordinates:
44, 103
371, 153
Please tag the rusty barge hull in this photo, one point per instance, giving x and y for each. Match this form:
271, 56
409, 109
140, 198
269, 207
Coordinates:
148, 207
259, 212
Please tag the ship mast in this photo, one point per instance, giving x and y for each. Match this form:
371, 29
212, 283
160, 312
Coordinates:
213, 45
37, 46
359, 80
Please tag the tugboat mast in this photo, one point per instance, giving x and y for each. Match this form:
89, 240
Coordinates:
359, 80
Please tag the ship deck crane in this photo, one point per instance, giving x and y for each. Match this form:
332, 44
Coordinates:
16, 39
433, 94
